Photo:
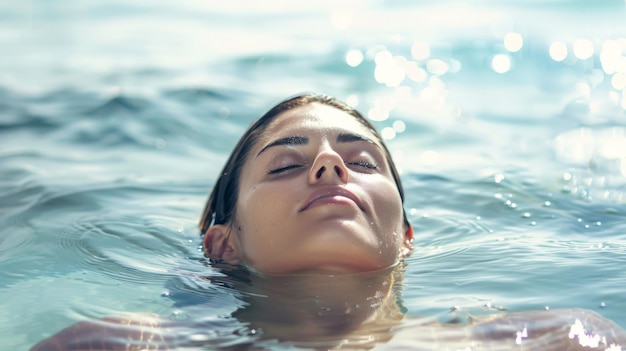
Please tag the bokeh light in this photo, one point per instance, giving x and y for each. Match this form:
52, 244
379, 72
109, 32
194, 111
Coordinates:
558, 51
389, 69
583, 49
618, 81
388, 133
513, 42
437, 66
377, 114
611, 57
399, 126
415, 73
501, 63
354, 57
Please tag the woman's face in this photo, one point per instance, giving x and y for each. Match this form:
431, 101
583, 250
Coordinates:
316, 194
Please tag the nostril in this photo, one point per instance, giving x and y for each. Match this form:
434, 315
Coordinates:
339, 171
320, 171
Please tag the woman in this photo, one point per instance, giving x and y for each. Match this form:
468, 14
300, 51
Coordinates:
306, 221
310, 187
309, 190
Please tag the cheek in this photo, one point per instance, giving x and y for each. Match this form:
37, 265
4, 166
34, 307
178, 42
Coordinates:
259, 214
388, 205
251, 209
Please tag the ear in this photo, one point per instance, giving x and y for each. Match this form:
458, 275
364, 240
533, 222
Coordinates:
218, 244
408, 240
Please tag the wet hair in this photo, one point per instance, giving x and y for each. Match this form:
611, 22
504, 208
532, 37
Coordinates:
220, 208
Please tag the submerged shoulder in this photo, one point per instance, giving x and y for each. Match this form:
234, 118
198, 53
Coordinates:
552, 330
139, 330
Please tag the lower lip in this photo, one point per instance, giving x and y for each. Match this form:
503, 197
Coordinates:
331, 200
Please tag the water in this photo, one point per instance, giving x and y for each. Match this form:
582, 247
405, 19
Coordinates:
116, 117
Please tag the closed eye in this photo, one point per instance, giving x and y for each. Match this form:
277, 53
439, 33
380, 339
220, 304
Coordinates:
363, 164
283, 169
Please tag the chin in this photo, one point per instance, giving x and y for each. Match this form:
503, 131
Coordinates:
333, 269
343, 265
325, 268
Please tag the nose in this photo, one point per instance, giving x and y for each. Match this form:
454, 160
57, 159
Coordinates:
328, 167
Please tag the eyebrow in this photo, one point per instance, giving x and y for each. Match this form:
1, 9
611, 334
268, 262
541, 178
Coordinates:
350, 137
301, 140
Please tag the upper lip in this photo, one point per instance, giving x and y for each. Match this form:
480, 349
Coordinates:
327, 192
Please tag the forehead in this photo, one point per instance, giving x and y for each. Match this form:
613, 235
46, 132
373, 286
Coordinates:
314, 118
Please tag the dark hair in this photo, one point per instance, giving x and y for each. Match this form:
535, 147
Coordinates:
222, 202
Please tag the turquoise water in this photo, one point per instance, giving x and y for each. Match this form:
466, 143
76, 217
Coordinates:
507, 121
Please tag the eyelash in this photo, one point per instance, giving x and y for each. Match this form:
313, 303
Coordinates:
364, 164
283, 169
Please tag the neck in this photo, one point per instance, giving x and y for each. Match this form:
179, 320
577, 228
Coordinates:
321, 307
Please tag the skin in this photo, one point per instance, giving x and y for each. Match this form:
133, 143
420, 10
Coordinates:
278, 228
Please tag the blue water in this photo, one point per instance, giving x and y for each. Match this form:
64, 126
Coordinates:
115, 118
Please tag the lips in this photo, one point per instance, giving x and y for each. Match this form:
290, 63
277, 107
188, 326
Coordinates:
331, 196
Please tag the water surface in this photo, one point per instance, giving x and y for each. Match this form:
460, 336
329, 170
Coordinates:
507, 121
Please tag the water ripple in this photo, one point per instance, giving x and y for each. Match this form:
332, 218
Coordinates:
124, 248
120, 105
